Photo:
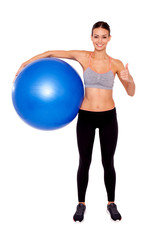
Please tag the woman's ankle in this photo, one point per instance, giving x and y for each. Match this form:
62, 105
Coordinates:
110, 203
82, 203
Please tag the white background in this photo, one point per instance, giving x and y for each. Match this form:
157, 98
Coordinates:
38, 191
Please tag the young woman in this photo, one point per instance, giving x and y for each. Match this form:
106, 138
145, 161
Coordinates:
97, 111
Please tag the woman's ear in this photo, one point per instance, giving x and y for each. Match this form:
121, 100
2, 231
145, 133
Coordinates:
109, 38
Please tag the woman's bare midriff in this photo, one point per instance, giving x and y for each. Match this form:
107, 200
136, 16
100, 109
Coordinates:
97, 100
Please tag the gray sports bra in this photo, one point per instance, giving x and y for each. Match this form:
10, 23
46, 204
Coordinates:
92, 79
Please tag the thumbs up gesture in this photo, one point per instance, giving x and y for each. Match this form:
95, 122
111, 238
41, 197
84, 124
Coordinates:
125, 75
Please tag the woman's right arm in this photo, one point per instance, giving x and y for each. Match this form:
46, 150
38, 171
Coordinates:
71, 54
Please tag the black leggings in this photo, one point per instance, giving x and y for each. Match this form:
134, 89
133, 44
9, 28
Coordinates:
87, 122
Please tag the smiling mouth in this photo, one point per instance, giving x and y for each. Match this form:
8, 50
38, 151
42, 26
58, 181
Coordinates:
99, 45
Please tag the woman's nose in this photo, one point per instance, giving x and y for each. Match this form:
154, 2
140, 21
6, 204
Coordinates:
99, 40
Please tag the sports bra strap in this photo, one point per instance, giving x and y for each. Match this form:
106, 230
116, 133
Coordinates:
90, 59
109, 62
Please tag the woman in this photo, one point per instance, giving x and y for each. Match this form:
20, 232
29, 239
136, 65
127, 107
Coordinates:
97, 111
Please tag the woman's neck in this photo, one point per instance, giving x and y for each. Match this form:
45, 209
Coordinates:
99, 55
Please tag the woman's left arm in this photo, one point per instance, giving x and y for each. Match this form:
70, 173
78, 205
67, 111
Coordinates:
126, 78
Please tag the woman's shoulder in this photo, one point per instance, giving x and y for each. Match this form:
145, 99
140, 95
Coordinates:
83, 57
84, 53
117, 64
116, 61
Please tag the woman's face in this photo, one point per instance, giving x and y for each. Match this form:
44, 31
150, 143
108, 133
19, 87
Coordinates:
100, 38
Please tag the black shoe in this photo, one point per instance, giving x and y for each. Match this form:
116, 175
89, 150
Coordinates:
79, 214
112, 209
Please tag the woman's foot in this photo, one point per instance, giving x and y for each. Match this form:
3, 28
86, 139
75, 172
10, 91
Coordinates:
112, 209
79, 214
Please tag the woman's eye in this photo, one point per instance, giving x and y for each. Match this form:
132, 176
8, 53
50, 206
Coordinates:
97, 37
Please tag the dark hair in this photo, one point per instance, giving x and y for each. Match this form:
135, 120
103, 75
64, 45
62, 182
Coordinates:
102, 25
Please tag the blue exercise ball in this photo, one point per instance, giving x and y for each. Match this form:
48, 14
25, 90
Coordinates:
48, 93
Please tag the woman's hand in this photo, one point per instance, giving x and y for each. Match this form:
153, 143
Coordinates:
125, 75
